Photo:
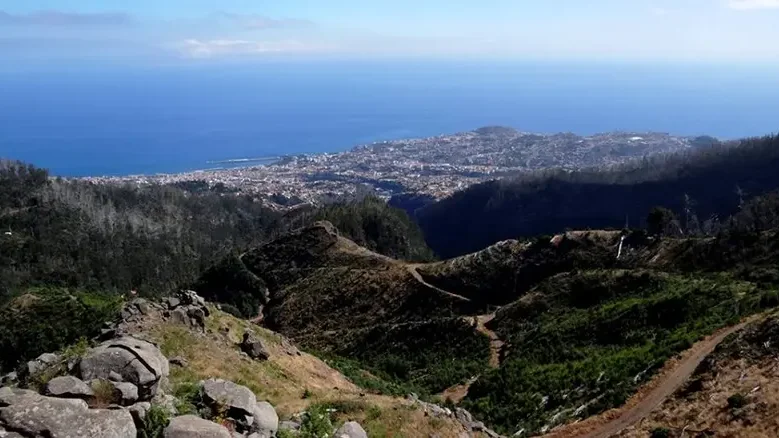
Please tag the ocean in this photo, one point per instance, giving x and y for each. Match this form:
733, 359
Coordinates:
107, 120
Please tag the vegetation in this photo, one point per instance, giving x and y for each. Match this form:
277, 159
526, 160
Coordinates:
154, 423
373, 224
583, 341
700, 186
48, 319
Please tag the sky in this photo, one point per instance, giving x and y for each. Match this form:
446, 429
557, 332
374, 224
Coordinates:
141, 31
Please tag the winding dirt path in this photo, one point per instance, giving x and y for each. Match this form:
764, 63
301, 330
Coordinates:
496, 344
412, 269
675, 373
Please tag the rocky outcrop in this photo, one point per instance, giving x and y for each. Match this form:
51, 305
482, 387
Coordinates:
350, 430
32, 414
266, 420
41, 363
68, 387
188, 308
138, 362
254, 347
190, 426
238, 401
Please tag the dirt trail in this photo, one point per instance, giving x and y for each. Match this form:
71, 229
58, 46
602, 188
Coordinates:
652, 395
412, 269
496, 344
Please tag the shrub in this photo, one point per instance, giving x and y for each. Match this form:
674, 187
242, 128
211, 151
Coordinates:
317, 424
737, 401
660, 432
155, 422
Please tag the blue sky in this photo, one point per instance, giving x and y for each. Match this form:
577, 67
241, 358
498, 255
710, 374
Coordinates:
142, 30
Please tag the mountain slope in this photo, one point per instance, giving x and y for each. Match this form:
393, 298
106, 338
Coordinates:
707, 182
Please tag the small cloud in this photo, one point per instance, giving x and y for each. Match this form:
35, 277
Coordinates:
59, 18
261, 22
194, 48
753, 4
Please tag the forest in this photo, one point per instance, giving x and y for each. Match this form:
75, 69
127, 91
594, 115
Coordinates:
701, 187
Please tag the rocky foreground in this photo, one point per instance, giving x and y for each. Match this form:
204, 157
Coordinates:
125, 387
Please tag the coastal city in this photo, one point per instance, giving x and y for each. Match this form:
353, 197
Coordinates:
434, 166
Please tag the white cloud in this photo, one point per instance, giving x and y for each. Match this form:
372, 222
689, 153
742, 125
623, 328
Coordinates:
223, 47
753, 4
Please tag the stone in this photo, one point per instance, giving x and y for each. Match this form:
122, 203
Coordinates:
127, 392
198, 317
41, 363
6, 434
239, 401
351, 430
142, 306
172, 302
289, 425
179, 361
139, 410
138, 362
115, 377
68, 387
190, 426
36, 415
266, 420
254, 347
179, 316
9, 379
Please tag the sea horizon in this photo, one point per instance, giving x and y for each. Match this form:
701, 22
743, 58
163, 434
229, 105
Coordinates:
119, 122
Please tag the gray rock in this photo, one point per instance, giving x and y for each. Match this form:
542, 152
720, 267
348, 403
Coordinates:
289, 425
266, 420
350, 430
197, 317
139, 411
115, 377
11, 378
173, 302
179, 361
68, 387
36, 415
179, 316
190, 426
6, 434
254, 347
142, 305
138, 362
239, 400
41, 363
127, 392
10, 396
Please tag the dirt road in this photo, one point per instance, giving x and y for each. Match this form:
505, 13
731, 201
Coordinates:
652, 395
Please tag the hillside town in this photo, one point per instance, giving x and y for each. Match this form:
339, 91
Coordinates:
434, 166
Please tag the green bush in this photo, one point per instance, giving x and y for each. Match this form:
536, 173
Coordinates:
737, 401
155, 422
660, 432
318, 423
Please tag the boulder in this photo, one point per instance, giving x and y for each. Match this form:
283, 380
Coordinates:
142, 306
136, 361
254, 347
197, 317
11, 378
350, 430
6, 434
190, 426
289, 425
41, 363
127, 392
139, 411
266, 420
239, 401
68, 387
36, 415
172, 302
179, 316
